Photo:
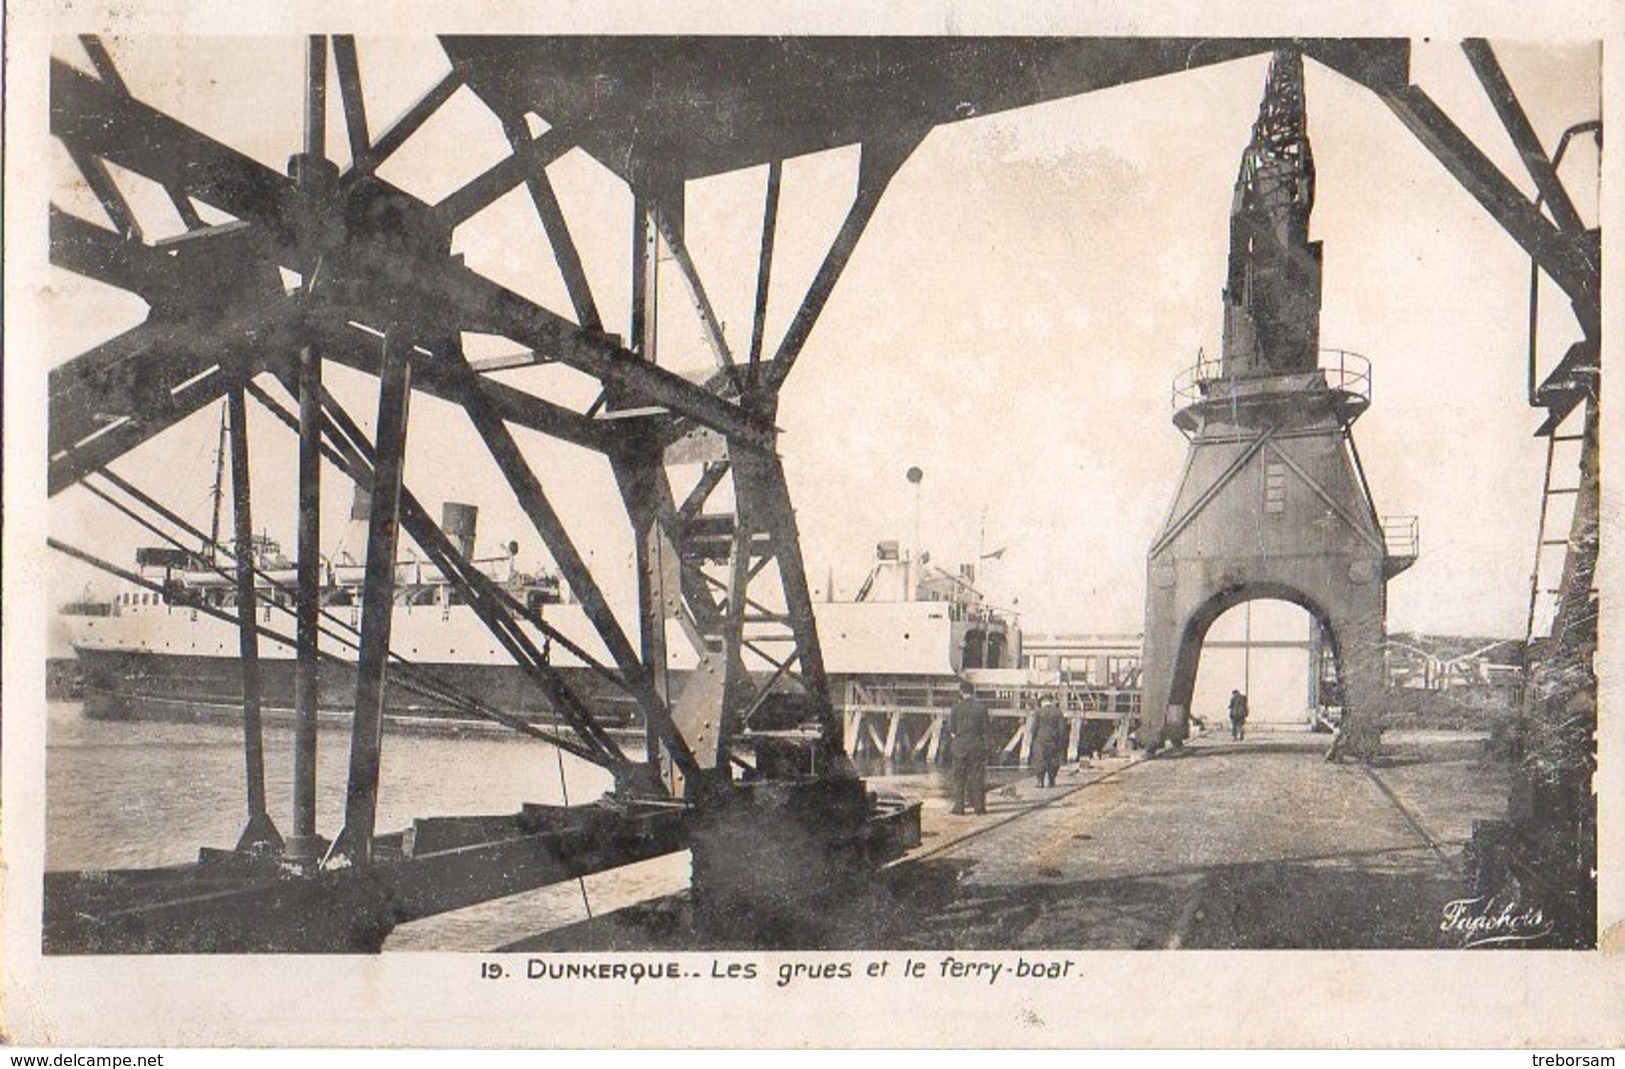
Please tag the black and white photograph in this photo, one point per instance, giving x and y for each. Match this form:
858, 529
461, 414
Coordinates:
698, 512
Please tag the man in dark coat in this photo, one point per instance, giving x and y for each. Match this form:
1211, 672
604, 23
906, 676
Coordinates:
1238, 715
1049, 741
969, 728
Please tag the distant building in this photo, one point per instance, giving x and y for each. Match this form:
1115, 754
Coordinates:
1104, 660
1451, 662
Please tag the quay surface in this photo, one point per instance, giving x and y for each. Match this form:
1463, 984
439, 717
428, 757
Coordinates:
1224, 844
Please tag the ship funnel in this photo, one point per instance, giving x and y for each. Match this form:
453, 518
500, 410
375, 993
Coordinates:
459, 521
354, 546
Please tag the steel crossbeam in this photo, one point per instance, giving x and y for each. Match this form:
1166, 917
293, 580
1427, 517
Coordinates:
376, 262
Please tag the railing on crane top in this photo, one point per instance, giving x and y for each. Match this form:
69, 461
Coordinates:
1342, 371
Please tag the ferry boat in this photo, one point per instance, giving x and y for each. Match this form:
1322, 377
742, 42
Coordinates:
162, 654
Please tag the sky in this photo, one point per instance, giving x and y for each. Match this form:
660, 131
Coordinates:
1011, 323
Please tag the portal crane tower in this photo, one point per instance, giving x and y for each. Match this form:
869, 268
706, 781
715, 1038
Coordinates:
745, 770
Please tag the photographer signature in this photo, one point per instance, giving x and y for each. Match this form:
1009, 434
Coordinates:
1485, 921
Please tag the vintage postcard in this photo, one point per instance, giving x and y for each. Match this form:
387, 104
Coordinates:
972, 526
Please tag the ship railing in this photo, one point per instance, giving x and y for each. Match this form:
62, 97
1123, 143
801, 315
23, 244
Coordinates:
414, 571
1073, 698
1341, 370
980, 613
1003, 699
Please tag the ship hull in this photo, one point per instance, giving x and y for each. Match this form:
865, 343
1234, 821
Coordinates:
156, 660
135, 684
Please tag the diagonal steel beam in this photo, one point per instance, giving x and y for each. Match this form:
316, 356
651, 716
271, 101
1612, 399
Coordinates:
764, 266
101, 183
557, 228
112, 398
710, 478
1518, 127
409, 676
208, 297
208, 271
668, 215
645, 488
481, 304
351, 452
91, 116
750, 572
302, 842
356, 456
635, 474
354, 842
880, 161
760, 480
1562, 256
355, 109
100, 254
1372, 537
260, 830
118, 260
1234, 468
162, 350
107, 71
410, 122
74, 462
500, 614
533, 499
487, 188
102, 60
704, 609
355, 461
430, 373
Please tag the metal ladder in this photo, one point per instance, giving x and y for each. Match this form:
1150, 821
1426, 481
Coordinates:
1552, 548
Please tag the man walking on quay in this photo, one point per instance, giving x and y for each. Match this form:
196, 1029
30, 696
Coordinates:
1049, 740
1238, 715
968, 730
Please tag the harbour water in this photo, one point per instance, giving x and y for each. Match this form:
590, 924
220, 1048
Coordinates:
131, 794
142, 793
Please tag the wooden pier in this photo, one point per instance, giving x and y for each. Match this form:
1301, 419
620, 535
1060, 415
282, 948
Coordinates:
906, 722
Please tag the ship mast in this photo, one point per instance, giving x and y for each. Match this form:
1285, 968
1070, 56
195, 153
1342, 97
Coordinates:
209, 550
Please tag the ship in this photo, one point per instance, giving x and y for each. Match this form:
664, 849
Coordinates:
168, 647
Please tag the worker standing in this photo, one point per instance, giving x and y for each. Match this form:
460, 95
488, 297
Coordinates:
968, 729
1049, 740
1238, 715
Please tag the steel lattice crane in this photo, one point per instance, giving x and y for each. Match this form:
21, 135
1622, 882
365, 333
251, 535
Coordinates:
695, 463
